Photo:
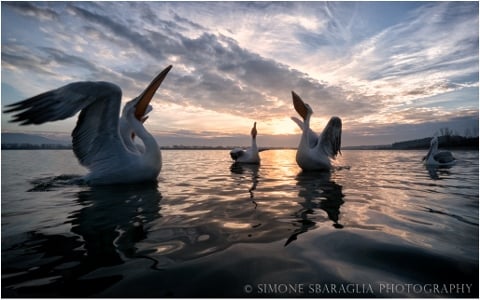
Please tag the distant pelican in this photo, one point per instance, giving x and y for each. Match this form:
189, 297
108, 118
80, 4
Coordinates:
435, 158
314, 152
101, 140
249, 155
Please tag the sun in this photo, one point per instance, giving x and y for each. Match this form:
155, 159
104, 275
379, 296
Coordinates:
280, 126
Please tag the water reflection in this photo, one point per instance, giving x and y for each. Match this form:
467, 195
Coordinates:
111, 220
319, 192
252, 170
208, 240
435, 172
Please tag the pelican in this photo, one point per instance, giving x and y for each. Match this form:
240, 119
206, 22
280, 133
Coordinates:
102, 141
249, 155
314, 152
435, 158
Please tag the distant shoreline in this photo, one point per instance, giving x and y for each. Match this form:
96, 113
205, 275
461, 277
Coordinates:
452, 142
370, 148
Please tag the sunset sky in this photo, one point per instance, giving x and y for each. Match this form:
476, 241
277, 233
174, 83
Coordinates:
392, 71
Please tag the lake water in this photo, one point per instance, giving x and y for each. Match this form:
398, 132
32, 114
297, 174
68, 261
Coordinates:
379, 225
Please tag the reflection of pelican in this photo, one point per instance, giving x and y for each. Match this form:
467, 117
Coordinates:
314, 152
103, 234
110, 230
249, 155
101, 140
435, 158
319, 192
437, 173
250, 168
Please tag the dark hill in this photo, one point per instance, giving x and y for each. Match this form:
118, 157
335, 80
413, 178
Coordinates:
449, 142
24, 138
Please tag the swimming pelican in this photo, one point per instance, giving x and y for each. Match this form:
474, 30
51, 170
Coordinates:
249, 155
435, 158
314, 152
102, 142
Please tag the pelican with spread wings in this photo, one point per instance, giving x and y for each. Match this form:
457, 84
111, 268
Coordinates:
103, 140
314, 152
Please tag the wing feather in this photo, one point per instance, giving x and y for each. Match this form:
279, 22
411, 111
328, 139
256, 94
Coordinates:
444, 157
312, 136
236, 153
96, 131
331, 137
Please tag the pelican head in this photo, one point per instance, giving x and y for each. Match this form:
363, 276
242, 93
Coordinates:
140, 106
254, 130
131, 107
302, 108
433, 148
142, 102
315, 151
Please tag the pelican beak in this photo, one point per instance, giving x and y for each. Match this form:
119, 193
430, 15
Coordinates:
254, 130
147, 95
299, 105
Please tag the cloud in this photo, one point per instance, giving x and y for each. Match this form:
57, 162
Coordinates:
241, 60
30, 10
17, 57
435, 45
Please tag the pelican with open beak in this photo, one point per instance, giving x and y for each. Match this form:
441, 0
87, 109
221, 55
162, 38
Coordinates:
102, 140
314, 152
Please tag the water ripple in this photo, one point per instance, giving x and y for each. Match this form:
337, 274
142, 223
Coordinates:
379, 216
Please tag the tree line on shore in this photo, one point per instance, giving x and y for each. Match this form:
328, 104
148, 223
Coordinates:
451, 142
446, 137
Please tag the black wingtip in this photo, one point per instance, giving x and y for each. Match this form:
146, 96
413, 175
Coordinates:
10, 108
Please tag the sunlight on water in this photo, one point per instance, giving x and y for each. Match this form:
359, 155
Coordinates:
213, 226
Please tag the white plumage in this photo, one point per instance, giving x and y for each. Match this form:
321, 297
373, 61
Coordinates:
249, 155
314, 152
102, 141
436, 158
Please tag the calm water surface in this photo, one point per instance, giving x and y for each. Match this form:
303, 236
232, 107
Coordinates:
379, 225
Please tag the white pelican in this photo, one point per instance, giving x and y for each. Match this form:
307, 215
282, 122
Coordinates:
314, 152
102, 142
435, 158
249, 155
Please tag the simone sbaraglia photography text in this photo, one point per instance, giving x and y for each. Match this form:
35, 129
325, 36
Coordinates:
359, 288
